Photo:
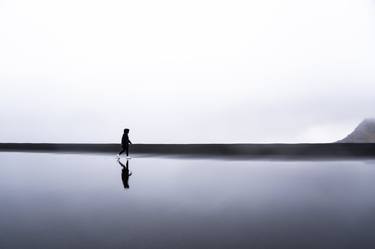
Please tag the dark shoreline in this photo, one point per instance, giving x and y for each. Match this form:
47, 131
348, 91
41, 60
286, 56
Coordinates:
331, 150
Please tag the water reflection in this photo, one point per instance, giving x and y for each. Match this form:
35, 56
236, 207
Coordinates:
53, 203
125, 173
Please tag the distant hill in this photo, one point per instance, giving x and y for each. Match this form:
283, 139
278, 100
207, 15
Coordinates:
364, 133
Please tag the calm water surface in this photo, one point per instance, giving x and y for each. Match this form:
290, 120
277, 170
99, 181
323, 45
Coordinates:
79, 201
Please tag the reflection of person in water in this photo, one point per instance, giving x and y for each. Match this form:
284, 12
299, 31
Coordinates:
125, 173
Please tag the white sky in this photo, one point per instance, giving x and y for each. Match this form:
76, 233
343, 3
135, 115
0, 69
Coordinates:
185, 71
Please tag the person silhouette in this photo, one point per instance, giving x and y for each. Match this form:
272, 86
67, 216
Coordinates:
125, 141
125, 174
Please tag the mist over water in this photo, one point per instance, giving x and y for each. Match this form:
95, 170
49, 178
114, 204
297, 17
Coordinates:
198, 71
75, 201
185, 72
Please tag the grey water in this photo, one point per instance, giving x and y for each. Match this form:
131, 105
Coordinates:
79, 201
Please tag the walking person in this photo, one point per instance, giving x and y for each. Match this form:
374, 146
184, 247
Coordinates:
125, 141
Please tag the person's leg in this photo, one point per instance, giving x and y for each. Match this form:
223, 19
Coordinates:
127, 150
122, 151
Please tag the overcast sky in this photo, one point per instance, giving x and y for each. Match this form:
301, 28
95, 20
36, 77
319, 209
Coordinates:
185, 71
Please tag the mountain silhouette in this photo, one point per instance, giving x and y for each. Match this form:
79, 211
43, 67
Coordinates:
363, 133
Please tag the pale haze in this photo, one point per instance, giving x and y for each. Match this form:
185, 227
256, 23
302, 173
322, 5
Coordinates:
185, 71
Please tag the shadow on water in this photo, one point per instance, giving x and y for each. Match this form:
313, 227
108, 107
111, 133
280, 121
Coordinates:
125, 173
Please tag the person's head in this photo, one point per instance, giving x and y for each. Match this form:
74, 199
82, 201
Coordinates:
126, 130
